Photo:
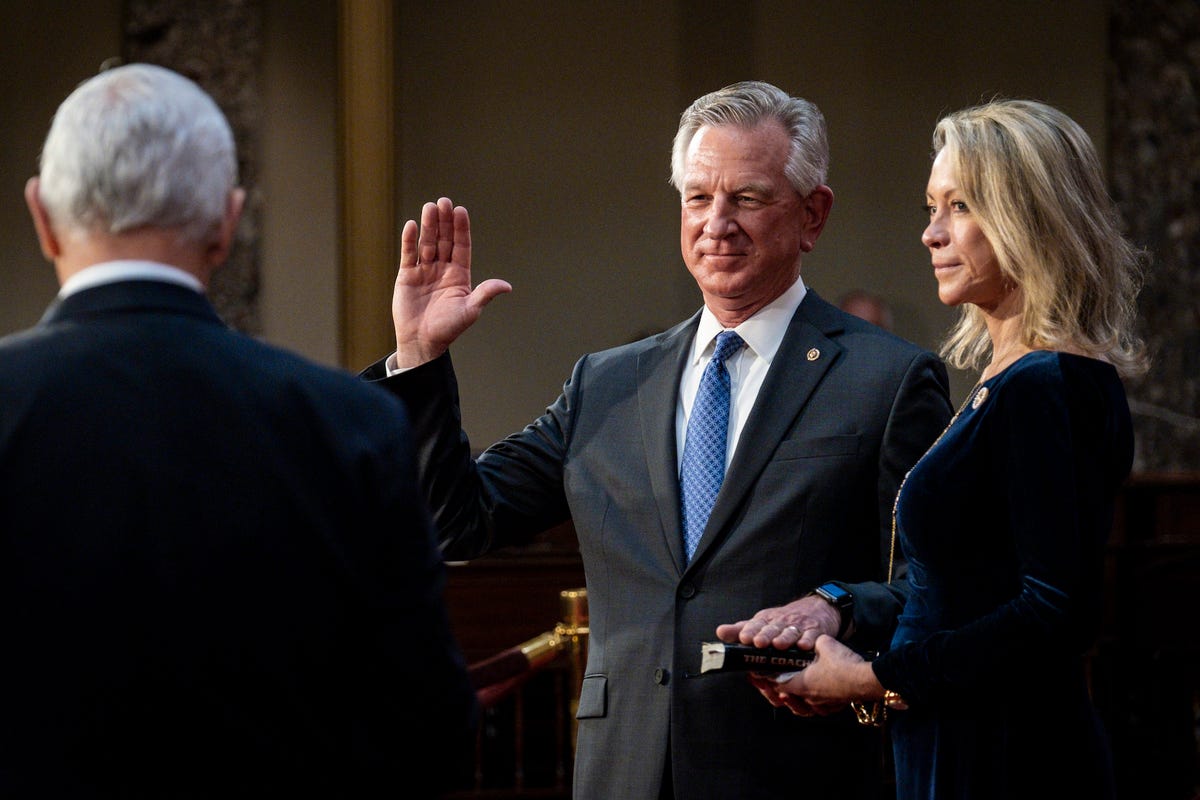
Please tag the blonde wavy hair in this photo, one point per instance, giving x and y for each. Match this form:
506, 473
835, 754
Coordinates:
1033, 182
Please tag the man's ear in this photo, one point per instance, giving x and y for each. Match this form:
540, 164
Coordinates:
219, 249
816, 210
41, 220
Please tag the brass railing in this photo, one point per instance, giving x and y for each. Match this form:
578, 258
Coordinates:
526, 742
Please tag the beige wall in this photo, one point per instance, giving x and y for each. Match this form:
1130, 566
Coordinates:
46, 48
299, 255
552, 122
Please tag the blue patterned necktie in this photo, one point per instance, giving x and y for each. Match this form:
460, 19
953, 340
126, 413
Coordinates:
703, 467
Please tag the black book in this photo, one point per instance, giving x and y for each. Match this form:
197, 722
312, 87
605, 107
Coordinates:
721, 657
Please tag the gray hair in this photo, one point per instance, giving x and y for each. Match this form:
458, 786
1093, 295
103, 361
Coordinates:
138, 146
751, 103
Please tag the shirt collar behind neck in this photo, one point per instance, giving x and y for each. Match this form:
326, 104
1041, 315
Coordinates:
124, 270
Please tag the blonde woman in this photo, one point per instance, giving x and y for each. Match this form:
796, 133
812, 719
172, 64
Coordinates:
1004, 520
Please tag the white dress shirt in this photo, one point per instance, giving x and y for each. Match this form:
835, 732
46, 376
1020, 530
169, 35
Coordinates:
762, 333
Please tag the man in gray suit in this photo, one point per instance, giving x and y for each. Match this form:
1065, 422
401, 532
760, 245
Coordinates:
826, 414
214, 555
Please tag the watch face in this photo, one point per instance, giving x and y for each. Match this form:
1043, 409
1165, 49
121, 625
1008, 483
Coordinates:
834, 594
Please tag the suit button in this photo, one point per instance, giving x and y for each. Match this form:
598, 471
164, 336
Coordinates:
687, 591
661, 676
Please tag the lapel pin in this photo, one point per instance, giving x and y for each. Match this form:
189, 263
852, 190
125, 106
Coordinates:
980, 396
814, 354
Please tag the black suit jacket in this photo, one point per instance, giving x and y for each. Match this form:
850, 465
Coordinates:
844, 411
216, 575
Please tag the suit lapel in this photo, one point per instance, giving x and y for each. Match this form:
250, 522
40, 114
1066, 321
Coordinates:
658, 372
805, 355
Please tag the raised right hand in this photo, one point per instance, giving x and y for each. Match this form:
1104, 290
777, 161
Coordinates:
433, 302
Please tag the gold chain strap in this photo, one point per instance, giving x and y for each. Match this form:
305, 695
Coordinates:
874, 713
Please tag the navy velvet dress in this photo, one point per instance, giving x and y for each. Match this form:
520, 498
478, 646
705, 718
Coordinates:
1004, 523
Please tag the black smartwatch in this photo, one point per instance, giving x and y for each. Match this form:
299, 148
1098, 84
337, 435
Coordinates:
840, 599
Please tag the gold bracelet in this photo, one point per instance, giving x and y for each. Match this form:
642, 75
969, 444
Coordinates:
872, 714
894, 701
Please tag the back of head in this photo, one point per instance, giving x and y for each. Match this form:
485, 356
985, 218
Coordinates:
748, 104
867, 305
138, 146
1033, 182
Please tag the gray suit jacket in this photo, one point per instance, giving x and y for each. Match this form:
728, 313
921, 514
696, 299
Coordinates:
844, 412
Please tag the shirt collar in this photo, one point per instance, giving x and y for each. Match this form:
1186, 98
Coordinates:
762, 333
124, 270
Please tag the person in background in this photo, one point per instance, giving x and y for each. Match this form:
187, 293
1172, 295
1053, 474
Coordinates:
825, 414
187, 610
1005, 519
867, 305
